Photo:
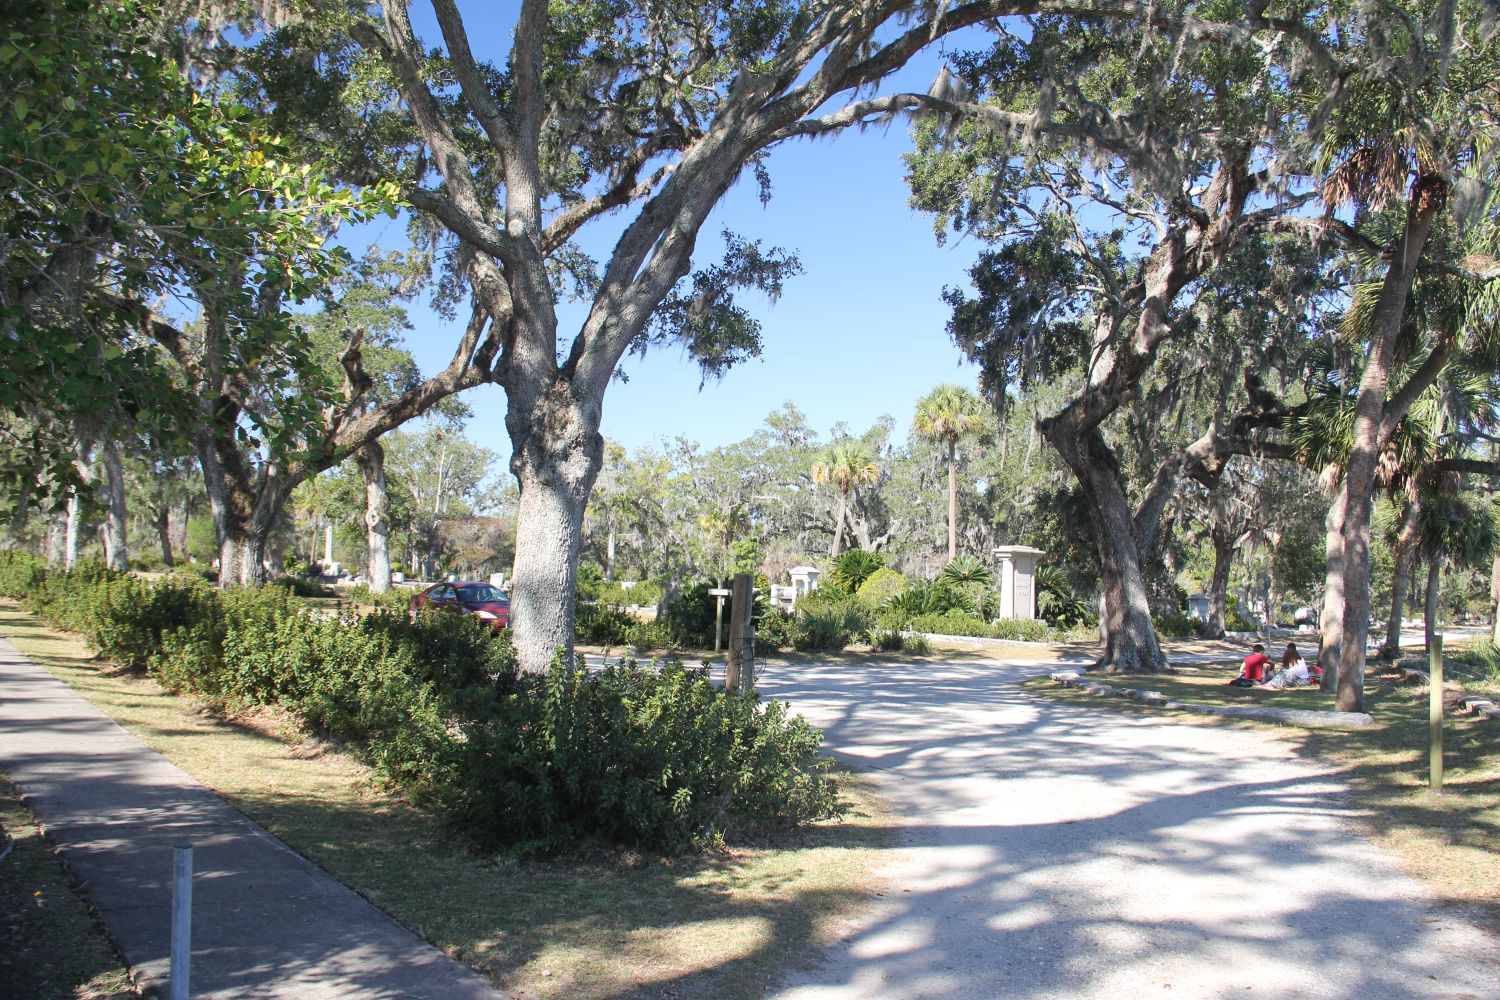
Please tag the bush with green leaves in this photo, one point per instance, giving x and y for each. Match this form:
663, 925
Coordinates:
20, 573
601, 625
925, 597
776, 629
852, 568
435, 703
1179, 625
659, 759
957, 622
829, 621
880, 587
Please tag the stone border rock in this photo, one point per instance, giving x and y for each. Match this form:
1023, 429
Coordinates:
1475, 705
1287, 716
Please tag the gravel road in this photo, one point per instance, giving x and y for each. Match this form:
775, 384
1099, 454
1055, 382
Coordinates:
1050, 850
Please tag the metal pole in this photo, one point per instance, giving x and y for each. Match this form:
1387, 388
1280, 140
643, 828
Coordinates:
719, 626
182, 918
1435, 714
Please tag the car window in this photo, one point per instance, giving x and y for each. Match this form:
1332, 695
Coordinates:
481, 593
443, 593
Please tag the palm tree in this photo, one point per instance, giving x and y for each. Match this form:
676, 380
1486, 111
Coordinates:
1455, 532
947, 414
846, 465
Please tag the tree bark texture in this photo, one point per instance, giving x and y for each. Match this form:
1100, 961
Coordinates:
1374, 421
1331, 623
371, 462
1218, 587
1495, 599
1130, 644
70, 532
163, 523
244, 504
116, 541
952, 501
1405, 564
558, 452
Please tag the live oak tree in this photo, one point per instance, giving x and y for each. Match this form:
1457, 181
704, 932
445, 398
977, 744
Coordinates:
1163, 137
652, 108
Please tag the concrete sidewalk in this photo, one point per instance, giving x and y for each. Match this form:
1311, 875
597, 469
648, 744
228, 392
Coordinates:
266, 922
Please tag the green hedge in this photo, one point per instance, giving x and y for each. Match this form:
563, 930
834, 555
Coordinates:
962, 623
649, 759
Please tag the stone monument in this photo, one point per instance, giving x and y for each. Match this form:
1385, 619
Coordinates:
804, 579
1018, 580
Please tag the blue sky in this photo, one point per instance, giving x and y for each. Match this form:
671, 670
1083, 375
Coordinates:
859, 334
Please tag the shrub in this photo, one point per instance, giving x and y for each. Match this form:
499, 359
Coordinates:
776, 629
1020, 629
931, 597
436, 705
601, 624
852, 568
1178, 625
20, 573
916, 644
951, 623
829, 622
303, 587
880, 587
648, 636
651, 759
962, 623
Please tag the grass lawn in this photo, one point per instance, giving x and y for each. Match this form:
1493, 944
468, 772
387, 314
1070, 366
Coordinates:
616, 926
50, 946
1450, 840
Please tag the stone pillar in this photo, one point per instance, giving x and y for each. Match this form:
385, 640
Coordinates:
1018, 580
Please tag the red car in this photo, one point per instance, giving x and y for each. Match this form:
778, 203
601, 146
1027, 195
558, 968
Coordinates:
482, 600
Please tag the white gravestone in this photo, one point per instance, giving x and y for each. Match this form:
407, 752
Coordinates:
1018, 580
804, 579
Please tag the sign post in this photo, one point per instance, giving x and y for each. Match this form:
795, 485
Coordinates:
720, 593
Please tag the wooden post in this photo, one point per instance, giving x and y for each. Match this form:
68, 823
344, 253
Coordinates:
740, 676
1435, 714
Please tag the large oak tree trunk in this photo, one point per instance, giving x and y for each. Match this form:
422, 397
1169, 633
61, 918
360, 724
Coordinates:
1130, 644
116, 543
371, 461
1218, 587
555, 462
838, 527
244, 506
1405, 565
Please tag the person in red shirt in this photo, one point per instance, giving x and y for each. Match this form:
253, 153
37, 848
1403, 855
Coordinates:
1253, 670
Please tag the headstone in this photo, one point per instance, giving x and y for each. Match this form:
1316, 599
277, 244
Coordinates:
497, 580
1198, 607
1018, 580
804, 579
398, 577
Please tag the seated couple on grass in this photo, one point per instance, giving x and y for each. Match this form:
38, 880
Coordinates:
1294, 670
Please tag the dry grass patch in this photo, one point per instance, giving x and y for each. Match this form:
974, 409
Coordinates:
1450, 840
606, 925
